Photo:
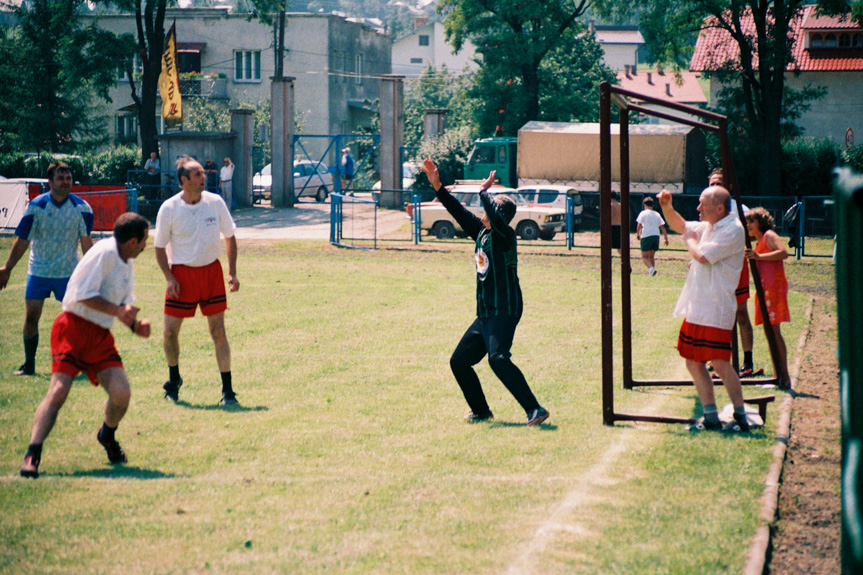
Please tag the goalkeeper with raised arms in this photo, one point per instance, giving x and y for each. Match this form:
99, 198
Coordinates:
498, 301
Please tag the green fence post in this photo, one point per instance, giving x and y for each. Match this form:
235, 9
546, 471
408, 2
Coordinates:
849, 278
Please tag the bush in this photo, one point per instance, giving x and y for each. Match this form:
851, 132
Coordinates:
109, 167
112, 166
807, 166
853, 158
449, 152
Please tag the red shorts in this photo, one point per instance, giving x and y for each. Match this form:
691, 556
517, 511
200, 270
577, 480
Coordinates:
701, 343
742, 292
79, 345
204, 286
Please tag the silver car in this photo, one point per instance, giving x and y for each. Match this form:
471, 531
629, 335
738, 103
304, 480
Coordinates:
310, 179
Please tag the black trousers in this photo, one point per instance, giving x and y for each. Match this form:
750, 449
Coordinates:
492, 336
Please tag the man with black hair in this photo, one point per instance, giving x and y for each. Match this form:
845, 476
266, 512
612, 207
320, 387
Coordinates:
52, 226
187, 244
100, 289
499, 301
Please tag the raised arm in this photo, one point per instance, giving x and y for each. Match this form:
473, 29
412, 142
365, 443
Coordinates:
471, 224
674, 220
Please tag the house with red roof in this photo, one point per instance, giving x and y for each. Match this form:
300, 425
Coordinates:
827, 51
680, 88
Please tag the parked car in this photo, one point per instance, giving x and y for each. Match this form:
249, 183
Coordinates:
310, 179
553, 196
530, 222
409, 176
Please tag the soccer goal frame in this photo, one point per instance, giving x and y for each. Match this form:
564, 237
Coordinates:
627, 101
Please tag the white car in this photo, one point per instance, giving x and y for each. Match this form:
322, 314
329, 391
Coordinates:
553, 196
310, 179
409, 176
531, 221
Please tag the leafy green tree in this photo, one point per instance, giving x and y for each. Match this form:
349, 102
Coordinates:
50, 70
758, 102
436, 89
515, 39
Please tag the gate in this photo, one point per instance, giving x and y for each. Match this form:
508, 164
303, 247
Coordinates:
365, 162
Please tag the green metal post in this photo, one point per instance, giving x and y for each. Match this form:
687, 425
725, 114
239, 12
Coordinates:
849, 279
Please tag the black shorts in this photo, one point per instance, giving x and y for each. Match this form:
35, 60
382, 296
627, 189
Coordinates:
615, 237
650, 244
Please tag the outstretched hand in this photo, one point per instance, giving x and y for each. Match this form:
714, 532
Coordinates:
430, 170
664, 198
489, 181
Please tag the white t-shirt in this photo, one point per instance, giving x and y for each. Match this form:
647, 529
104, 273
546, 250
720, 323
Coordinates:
226, 174
708, 298
650, 222
190, 233
101, 272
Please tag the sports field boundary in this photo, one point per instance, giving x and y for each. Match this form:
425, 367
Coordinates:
761, 546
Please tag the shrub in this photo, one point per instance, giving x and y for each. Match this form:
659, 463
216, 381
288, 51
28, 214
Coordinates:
853, 158
449, 152
112, 166
807, 165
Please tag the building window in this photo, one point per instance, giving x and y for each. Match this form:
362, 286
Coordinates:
416, 60
844, 41
817, 41
830, 41
857, 41
424, 40
359, 68
127, 128
247, 66
137, 68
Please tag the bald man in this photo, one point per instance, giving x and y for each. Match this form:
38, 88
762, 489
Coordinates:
707, 303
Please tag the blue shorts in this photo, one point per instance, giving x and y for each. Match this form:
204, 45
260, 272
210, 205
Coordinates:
41, 288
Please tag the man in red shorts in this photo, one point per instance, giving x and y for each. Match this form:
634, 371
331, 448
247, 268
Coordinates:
188, 244
99, 290
707, 302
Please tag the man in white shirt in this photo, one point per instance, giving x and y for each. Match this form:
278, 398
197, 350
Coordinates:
188, 246
707, 303
649, 225
226, 178
100, 289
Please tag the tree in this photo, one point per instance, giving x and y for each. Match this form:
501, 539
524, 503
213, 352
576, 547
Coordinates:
436, 89
514, 38
150, 31
49, 70
761, 32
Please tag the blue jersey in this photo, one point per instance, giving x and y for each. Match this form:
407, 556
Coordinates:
53, 231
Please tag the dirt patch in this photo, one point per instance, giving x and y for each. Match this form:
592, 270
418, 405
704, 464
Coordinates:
807, 532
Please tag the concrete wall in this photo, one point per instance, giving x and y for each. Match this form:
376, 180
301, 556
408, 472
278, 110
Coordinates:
616, 56
438, 53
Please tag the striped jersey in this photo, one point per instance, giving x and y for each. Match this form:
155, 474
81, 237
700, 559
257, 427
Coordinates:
53, 231
497, 287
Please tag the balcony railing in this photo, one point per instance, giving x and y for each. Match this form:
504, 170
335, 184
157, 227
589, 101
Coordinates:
216, 88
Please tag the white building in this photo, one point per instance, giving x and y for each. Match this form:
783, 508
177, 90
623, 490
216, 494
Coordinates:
426, 45
620, 45
336, 65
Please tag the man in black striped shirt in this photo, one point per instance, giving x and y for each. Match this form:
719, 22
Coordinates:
498, 301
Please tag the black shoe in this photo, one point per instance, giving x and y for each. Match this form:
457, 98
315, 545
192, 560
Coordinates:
30, 467
537, 416
702, 424
739, 424
113, 449
748, 371
229, 399
474, 418
25, 369
172, 390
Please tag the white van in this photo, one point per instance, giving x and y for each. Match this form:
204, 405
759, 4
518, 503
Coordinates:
553, 196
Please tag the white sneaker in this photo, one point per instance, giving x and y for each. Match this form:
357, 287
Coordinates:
652, 272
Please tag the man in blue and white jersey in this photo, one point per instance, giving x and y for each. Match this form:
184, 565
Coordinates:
52, 227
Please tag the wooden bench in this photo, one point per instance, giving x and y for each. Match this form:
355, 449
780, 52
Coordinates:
761, 402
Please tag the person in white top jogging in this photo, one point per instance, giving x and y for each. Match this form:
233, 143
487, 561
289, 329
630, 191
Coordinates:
707, 303
649, 225
100, 289
188, 246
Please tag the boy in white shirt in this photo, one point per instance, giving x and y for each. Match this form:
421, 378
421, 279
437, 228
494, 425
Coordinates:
650, 224
99, 290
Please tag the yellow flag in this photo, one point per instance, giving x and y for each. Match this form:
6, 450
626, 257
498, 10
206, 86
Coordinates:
169, 81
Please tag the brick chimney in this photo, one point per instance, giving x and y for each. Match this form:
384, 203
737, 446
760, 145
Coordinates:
668, 89
626, 69
650, 78
419, 22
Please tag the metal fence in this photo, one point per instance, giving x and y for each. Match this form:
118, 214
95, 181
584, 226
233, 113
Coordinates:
353, 222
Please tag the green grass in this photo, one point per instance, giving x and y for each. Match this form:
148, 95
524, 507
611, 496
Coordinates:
348, 454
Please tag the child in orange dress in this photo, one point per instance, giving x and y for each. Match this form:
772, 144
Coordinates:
768, 254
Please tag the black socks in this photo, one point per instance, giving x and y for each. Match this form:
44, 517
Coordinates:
30, 345
106, 433
174, 373
226, 383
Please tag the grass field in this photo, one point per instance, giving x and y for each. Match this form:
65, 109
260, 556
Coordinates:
348, 454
